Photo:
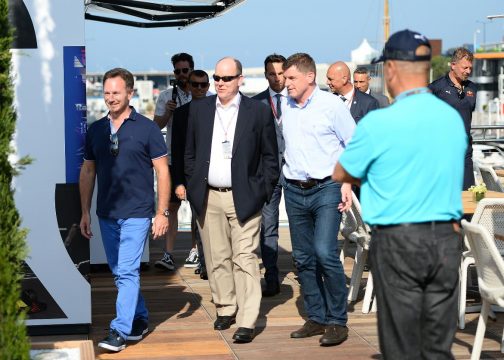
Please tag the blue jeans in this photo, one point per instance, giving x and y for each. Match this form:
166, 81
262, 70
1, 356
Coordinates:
314, 222
124, 240
269, 235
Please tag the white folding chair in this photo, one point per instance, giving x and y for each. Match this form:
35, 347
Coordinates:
490, 269
490, 214
490, 178
361, 235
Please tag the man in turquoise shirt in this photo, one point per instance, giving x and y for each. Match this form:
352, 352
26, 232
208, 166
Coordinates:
409, 160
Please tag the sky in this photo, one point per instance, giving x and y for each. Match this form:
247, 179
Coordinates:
326, 29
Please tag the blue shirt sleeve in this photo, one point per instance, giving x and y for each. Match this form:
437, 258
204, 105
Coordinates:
157, 145
344, 124
359, 154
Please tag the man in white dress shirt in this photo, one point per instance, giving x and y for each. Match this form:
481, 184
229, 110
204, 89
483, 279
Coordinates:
231, 165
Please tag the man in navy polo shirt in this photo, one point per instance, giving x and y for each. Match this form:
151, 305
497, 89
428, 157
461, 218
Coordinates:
121, 150
456, 89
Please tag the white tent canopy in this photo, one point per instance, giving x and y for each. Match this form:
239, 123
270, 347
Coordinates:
364, 53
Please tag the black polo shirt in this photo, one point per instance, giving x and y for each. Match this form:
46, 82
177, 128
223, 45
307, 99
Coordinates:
465, 103
125, 181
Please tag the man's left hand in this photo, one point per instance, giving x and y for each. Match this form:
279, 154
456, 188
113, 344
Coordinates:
159, 226
346, 197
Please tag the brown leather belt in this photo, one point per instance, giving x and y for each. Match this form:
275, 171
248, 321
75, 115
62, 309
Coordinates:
307, 184
220, 189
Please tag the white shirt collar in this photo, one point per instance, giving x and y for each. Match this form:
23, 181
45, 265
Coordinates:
235, 102
272, 92
349, 94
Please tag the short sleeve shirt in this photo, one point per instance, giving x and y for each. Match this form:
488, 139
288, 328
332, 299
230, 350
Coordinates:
165, 96
125, 181
410, 159
464, 103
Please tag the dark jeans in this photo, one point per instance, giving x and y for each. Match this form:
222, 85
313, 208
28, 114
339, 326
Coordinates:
269, 235
314, 222
468, 169
416, 270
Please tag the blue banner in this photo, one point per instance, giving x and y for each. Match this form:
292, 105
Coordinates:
74, 65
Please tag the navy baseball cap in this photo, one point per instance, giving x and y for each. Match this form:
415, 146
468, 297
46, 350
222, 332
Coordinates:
402, 45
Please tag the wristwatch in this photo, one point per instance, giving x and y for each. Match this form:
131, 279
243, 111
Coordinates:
166, 213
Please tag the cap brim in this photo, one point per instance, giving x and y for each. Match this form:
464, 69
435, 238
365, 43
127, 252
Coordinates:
378, 60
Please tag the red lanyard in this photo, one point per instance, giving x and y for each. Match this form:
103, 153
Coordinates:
273, 108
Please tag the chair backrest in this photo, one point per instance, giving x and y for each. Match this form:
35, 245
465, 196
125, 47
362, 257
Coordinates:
490, 178
490, 214
488, 260
362, 232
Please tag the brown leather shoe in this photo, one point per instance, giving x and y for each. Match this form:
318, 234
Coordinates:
310, 328
334, 335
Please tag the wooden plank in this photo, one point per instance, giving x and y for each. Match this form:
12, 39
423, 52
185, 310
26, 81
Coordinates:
182, 315
468, 203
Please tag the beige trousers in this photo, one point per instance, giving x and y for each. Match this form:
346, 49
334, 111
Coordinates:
232, 265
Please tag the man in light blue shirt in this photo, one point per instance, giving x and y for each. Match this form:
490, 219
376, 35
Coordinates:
316, 127
409, 158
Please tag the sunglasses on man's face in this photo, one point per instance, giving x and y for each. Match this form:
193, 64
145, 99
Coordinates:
197, 84
114, 144
218, 78
183, 70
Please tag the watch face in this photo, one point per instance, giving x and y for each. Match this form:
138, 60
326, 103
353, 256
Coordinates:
166, 213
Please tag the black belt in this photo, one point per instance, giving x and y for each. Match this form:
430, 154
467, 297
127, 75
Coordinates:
431, 224
307, 184
220, 189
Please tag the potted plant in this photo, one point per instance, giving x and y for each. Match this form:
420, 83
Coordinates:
478, 191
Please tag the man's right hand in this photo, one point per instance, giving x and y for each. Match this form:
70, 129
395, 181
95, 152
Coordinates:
180, 191
171, 106
85, 226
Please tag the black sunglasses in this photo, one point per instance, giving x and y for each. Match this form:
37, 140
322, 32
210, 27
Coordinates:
218, 78
461, 94
197, 84
114, 144
178, 71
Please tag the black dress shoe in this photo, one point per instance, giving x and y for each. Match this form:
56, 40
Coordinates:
223, 322
243, 335
334, 335
203, 274
310, 328
272, 288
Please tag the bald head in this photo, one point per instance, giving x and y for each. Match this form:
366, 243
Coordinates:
338, 78
227, 68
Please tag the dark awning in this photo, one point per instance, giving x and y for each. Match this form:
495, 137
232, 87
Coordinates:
150, 14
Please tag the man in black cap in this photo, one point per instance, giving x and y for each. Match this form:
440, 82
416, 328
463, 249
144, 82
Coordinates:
457, 90
410, 196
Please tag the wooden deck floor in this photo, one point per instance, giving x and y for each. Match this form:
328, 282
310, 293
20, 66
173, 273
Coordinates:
182, 315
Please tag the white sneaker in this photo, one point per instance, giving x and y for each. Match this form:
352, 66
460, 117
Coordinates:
192, 260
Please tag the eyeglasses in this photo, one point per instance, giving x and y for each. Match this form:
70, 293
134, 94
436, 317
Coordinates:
178, 71
197, 84
461, 94
225, 78
114, 144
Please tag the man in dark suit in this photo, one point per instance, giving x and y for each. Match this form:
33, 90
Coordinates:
198, 83
361, 80
340, 83
231, 164
274, 96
